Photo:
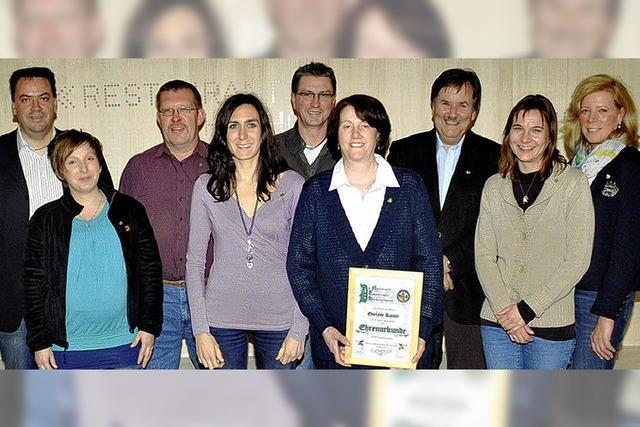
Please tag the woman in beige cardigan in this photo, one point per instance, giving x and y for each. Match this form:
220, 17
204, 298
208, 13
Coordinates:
533, 244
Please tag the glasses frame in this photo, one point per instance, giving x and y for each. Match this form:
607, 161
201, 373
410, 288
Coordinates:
310, 96
183, 111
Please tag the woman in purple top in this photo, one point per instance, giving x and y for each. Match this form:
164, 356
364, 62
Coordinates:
246, 203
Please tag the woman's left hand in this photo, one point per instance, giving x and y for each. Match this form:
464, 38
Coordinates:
291, 350
601, 338
146, 341
422, 344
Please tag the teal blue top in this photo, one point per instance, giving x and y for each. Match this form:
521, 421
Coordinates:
96, 296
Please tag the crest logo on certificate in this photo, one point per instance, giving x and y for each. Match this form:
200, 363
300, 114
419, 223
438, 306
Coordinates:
383, 317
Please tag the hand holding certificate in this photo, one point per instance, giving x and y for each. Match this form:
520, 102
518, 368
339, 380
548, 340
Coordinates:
383, 317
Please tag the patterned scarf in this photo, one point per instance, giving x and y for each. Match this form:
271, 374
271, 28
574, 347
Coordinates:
591, 163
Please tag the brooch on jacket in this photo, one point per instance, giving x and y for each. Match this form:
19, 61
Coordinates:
610, 188
124, 226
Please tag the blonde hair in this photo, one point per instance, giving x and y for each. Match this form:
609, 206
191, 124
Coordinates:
628, 131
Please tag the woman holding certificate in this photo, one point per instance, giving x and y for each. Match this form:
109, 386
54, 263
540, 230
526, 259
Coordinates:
362, 213
533, 243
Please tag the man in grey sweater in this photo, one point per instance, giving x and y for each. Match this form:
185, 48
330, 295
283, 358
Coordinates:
313, 95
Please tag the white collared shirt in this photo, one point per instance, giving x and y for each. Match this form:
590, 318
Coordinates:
363, 212
43, 185
312, 153
447, 159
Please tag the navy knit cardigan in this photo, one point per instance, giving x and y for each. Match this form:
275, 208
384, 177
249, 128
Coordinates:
323, 247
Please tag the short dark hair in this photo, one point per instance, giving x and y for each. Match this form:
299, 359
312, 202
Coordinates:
458, 77
613, 7
175, 85
508, 162
30, 73
222, 167
90, 6
368, 109
65, 143
317, 69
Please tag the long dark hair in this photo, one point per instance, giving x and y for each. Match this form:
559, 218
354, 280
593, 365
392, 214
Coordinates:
221, 165
551, 157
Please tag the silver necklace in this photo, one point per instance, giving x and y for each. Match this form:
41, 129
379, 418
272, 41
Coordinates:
87, 222
525, 197
248, 258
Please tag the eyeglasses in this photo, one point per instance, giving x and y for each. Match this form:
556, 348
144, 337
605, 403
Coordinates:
310, 96
182, 111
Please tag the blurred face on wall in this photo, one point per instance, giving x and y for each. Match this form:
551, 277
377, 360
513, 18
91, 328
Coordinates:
376, 37
313, 25
34, 107
313, 102
453, 113
56, 29
178, 33
571, 28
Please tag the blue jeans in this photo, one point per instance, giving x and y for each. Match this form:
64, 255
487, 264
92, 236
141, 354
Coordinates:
234, 345
14, 351
583, 355
502, 353
120, 357
307, 359
176, 325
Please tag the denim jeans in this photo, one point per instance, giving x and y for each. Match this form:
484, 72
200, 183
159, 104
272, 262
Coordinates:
583, 355
502, 353
176, 325
234, 345
120, 357
14, 351
307, 359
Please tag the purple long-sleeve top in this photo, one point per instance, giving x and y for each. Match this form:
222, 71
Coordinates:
235, 296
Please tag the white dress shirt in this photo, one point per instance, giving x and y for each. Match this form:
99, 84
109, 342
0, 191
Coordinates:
43, 185
363, 212
447, 159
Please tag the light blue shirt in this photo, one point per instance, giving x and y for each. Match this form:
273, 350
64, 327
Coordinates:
96, 297
447, 159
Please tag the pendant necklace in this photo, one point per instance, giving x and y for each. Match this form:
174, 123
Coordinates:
525, 197
248, 258
87, 222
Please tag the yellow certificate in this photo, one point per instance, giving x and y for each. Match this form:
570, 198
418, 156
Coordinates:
383, 317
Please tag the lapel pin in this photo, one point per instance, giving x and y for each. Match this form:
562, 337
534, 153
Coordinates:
608, 176
390, 200
468, 172
610, 188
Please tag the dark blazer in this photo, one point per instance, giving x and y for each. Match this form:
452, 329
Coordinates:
291, 147
14, 216
46, 255
457, 219
323, 247
615, 263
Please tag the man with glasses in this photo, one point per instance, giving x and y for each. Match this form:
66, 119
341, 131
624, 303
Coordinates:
162, 179
313, 95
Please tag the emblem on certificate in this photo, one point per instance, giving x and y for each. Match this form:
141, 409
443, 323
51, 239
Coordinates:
383, 317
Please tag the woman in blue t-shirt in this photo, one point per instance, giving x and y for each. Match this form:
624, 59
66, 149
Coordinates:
92, 280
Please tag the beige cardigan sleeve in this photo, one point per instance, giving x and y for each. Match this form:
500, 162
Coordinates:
580, 225
486, 252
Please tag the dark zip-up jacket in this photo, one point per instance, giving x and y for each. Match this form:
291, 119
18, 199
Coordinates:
45, 273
